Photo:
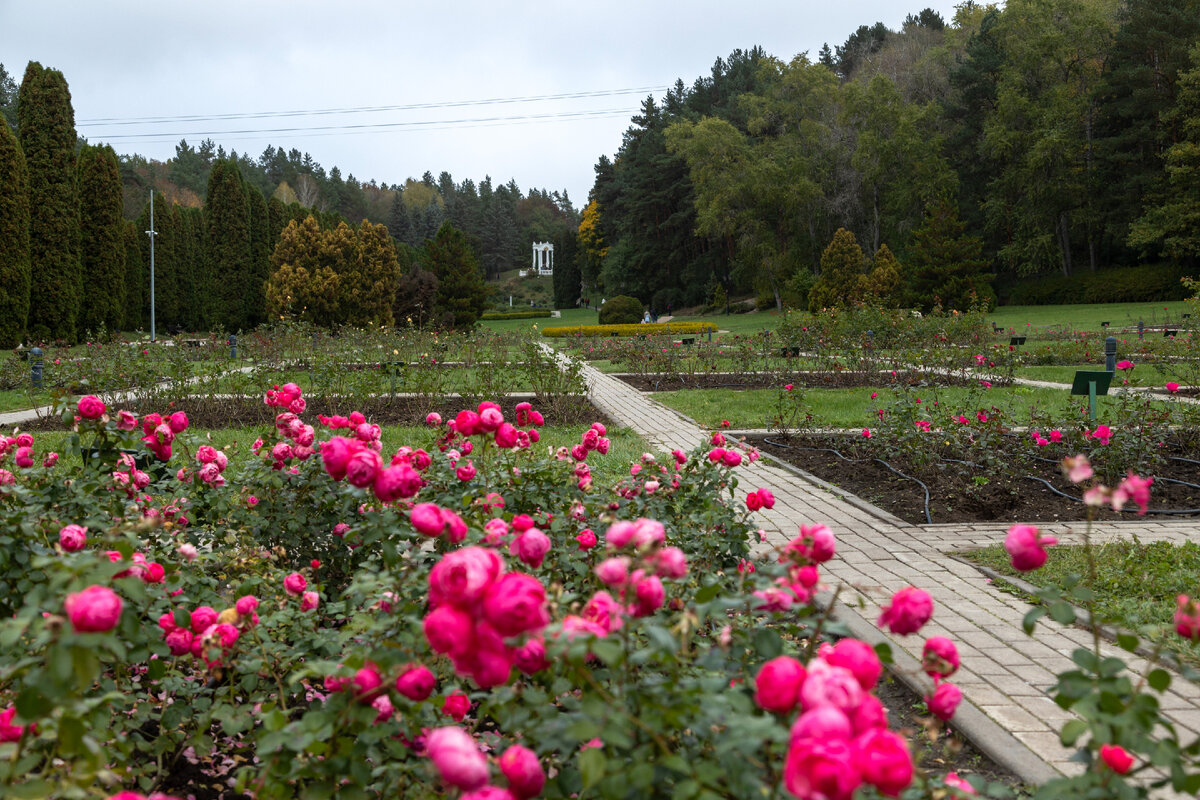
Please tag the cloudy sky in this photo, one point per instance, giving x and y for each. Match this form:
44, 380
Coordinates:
533, 91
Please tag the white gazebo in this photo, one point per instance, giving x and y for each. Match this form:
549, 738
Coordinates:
543, 258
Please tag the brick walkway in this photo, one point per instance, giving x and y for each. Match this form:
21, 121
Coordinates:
1005, 674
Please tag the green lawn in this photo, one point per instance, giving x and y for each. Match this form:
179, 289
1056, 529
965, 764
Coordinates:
850, 408
1087, 317
1136, 584
18, 399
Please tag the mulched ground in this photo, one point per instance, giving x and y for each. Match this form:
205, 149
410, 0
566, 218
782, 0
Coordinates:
962, 493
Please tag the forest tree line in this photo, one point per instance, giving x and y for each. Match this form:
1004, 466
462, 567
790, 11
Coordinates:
1047, 137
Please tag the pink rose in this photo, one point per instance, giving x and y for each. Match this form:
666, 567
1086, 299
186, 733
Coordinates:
815, 544
1187, 618
336, 454
433, 419
206, 453
1027, 547
603, 611
953, 781
944, 700
179, 641
670, 563
732, 458
309, 601
824, 722
530, 657
463, 576
393, 483
126, 421
1133, 488
939, 658
416, 683
467, 423
450, 631
523, 771
465, 471
753, 501
506, 436
827, 685
203, 618
821, 770
10, 732
777, 685
516, 604
613, 571
91, 407
246, 605
362, 468
427, 519
456, 706
909, 610
94, 610
648, 593
367, 681
1117, 758
858, 657
587, 539
72, 538
457, 757
531, 547
24, 457
295, 584
884, 761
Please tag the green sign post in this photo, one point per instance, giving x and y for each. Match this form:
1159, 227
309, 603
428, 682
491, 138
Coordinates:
1091, 383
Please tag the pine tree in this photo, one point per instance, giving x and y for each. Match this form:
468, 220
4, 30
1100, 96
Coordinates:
47, 130
102, 240
946, 267
462, 294
228, 223
842, 282
14, 239
399, 224
260, 254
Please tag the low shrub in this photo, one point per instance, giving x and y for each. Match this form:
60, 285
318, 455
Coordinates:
1149, 283
630, 330
621, 310
534, 314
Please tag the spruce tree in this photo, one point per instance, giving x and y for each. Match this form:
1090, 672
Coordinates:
369, 287
136, 307
260, 254
461, 292
277, 218
14, 239
946, 267
47, 130
842, 282
102, 240
228, 224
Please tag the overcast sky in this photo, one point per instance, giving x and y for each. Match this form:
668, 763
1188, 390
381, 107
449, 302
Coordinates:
130, 61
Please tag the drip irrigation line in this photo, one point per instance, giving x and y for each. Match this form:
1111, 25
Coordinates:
1051, 487
1185, 460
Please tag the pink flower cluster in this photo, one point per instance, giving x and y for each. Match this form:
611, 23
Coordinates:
461, 764
763, 498
96, 609
477, 610
210, 636
212, 466
640, 563
287, 397
91, 407
431, 520
839, 740
803, 556
594, 438
358, 461
1055, 436
159, 432
147, 571
128, 477
21, 446
1132, 488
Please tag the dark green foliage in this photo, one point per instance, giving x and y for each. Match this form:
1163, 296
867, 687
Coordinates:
8, 98
261, 246
277, 220
416, 297
945, 265
102, 240
842, 282
399, 224
197, 311
621, 310
1148, 283
227, 213
14, 239
567, 276
136, 306
47, 131
461, 292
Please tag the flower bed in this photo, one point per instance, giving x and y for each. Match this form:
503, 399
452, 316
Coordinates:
641, 329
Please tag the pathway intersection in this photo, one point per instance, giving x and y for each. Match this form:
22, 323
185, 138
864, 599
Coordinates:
1005, 675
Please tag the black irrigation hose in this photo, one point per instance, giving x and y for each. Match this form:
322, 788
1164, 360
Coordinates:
1185, 460
1050, 486
928, 516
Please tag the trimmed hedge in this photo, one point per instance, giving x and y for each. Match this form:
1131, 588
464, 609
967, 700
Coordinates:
641, 329
1152, 283
621, 310
515, 315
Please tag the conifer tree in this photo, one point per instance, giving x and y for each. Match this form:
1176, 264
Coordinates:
14, 239
303, 286
136, 306
883, 282
47, 129
228, 222
842, 281
461, 292
946, 267
260, 254
277, 218
369, 286
102, 240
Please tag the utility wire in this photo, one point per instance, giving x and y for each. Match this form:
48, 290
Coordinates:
113, 121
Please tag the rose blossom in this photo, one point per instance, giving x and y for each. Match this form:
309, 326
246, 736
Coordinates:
1117, 758
91, 407
295, 584
909, 610
857, 657
456, 706
530, 547
72, 538
821, 770
462, 576
309, 601
884, 761
523, 771
939, 658
416, 683
778, 684
944, 700
457, 757
823, 722
94, 610
516, 604
1187, 618
1026, 547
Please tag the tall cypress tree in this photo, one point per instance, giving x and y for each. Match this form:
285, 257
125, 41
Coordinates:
229, 253
136, 306
260, 254
102, 239
47, 128
14, 239
277, 219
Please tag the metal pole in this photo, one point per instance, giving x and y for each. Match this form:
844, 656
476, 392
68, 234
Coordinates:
152, 233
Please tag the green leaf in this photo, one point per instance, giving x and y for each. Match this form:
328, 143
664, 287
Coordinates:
708, 593
1159, 680
32, 705
1127, 641
592, 763
1071, 732
1062, 612
1031, 618
70, 734
608, 651
884, 651
767, 643
662, 638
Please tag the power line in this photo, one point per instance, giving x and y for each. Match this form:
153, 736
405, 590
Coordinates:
329, 130
122, 121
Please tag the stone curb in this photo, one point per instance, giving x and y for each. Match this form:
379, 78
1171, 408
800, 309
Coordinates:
975, 726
